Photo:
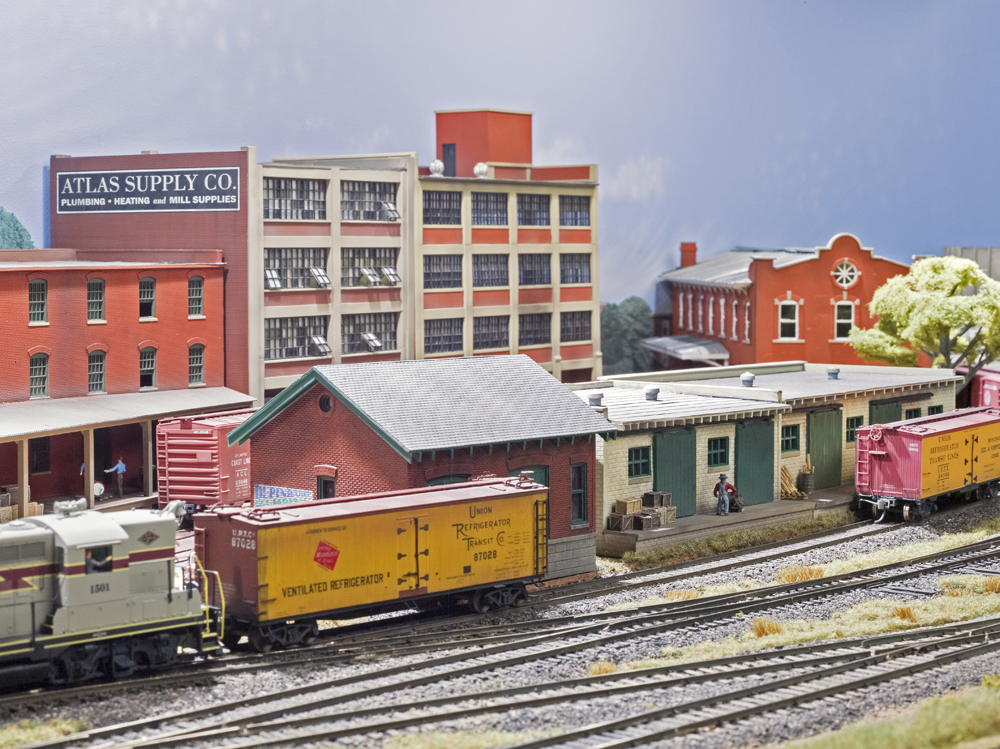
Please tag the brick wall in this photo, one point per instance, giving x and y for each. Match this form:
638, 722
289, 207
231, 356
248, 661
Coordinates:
286, 451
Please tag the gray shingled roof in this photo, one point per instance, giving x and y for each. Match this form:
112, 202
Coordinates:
629, 409
733, 268
436, 404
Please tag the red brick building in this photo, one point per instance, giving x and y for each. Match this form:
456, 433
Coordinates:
387, 426
94, 349
759, 305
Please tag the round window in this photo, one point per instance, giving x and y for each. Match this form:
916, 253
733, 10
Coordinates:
845, 274
325, 403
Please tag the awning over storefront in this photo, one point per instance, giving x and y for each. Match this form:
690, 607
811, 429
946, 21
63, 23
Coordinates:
689, 348
40, 418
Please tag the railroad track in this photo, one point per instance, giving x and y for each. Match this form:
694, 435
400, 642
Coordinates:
590, 631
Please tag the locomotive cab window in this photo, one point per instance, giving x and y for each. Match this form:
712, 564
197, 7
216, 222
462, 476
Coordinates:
98, 559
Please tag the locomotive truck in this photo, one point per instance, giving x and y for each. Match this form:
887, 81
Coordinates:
907, 467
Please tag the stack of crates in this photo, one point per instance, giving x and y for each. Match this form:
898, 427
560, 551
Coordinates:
8, 505
631, 514
659, 502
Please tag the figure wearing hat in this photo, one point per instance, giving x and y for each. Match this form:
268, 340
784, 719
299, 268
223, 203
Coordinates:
723, 490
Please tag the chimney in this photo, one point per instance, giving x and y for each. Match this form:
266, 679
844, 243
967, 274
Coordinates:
833, 373
595, 399
747, 379
652, 394
689, 254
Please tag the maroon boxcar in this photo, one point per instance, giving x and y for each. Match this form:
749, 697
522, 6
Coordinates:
195, 464
907, 466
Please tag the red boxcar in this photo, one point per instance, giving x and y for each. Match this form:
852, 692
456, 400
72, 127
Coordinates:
194, 462
907, 466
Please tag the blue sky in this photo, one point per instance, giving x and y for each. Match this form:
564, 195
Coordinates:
723, 123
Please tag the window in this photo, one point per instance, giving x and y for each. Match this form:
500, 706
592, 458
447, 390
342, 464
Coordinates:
38, 371
853, 422
38, 450
534, 329
534, 270
147, 368
690, 315
680, 312
934, 410
442, 207
722, 318
147, 297
574, 210
368, 266
701, 313
443, 335
788, 320
790, 438
98, 559
451, 478
95, 299
368, 201
711, 315
326, 487
845, 274
489, 208
912, 413
491, 332
196, 364
578, 492
372, 331
736, 309
292, 268
539, 474
718, 451
302, 199
38, 292
638, 462
532, 210
489, 270
574, 326
442, 271
95, 372
844, 319
292, 337
746, 322
574, 268
196, 296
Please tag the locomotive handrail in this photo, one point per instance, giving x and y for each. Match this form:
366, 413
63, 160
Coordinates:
222, 597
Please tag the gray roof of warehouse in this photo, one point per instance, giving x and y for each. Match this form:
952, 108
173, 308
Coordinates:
805, 385
438, 404
629, 406
733, 268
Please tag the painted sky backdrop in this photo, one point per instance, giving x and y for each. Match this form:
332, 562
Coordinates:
762, 124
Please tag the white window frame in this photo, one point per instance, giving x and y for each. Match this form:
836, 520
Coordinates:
782, 320
722, 317
736, 310
711, 315
746, 322
701, 313
690, 315
680, 310
837, 320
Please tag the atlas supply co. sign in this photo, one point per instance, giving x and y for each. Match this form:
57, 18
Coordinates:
272, 496
149, 190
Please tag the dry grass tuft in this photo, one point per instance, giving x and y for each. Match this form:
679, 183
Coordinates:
33, 731
603, 667
956, 592
681, 595
905, 613
763, 627
991, 680
992, 584
797, 573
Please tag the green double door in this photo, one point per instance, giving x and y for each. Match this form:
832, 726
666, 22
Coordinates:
755, 461
885, 413
824, 440
675, 469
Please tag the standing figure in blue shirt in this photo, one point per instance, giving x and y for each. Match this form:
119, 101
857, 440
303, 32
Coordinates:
118, 468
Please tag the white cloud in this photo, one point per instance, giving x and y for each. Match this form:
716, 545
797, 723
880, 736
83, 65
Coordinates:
562, 151
636, 179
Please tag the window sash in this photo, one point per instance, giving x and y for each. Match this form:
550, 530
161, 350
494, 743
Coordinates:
788, 320
912, 413
147, 297
534, 329
196, 364
443, 335
95, 299
490, 270
355, 328
37, 300
578, 492
442, 271
934, 410
40, 455
574, 268
638, 462
532, 210
292, 264
574, 326
442, 207
853, 422
790, 438
288, 337
196, 296
354, 259
489, 208
96, 372
298, 199
574, 210
362, 201
38, 374
147, 368
534, 269
491, 331
718, 451
844, 320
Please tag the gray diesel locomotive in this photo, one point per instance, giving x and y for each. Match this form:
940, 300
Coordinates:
87, 595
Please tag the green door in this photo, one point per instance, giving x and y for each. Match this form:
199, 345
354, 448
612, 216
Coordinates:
755, 461
674, 469
883, 413
825, 451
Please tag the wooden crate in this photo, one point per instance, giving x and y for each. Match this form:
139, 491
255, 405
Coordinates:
641, 522
654, 515
628, 506
8, 513
34, 508
669, 515
664, 499
619, 522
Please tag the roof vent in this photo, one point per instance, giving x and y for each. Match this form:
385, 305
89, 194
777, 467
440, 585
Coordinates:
595, 398
652, 394
747, 379
437, 168
833, 373
481, 170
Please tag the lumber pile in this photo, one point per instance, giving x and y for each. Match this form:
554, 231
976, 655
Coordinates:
788, 488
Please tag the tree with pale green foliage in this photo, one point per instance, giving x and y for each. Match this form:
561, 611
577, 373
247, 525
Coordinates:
623, 326
13, 235
946, 307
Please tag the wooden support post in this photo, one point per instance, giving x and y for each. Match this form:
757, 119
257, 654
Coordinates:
148, 459
22, 478
88, 466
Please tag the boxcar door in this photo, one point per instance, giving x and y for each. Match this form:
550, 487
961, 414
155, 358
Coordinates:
410, 552
674, 469
825, 448
755, 461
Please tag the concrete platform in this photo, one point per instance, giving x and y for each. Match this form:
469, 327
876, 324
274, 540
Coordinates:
694, 527
108, 503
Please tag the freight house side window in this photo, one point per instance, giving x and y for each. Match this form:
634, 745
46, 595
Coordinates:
368, 201
442, 271
368, 266
300, 199
443, 335
638, 462
442, 208
534, 270
196, 365
489, 208
295, 268
578, 493
718, 451
147, 298
368, 332
95, 372
853, 422
38, 372
39, 455
295, 337
535, 329
147, 368
95, 299
790, 438
196, 296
